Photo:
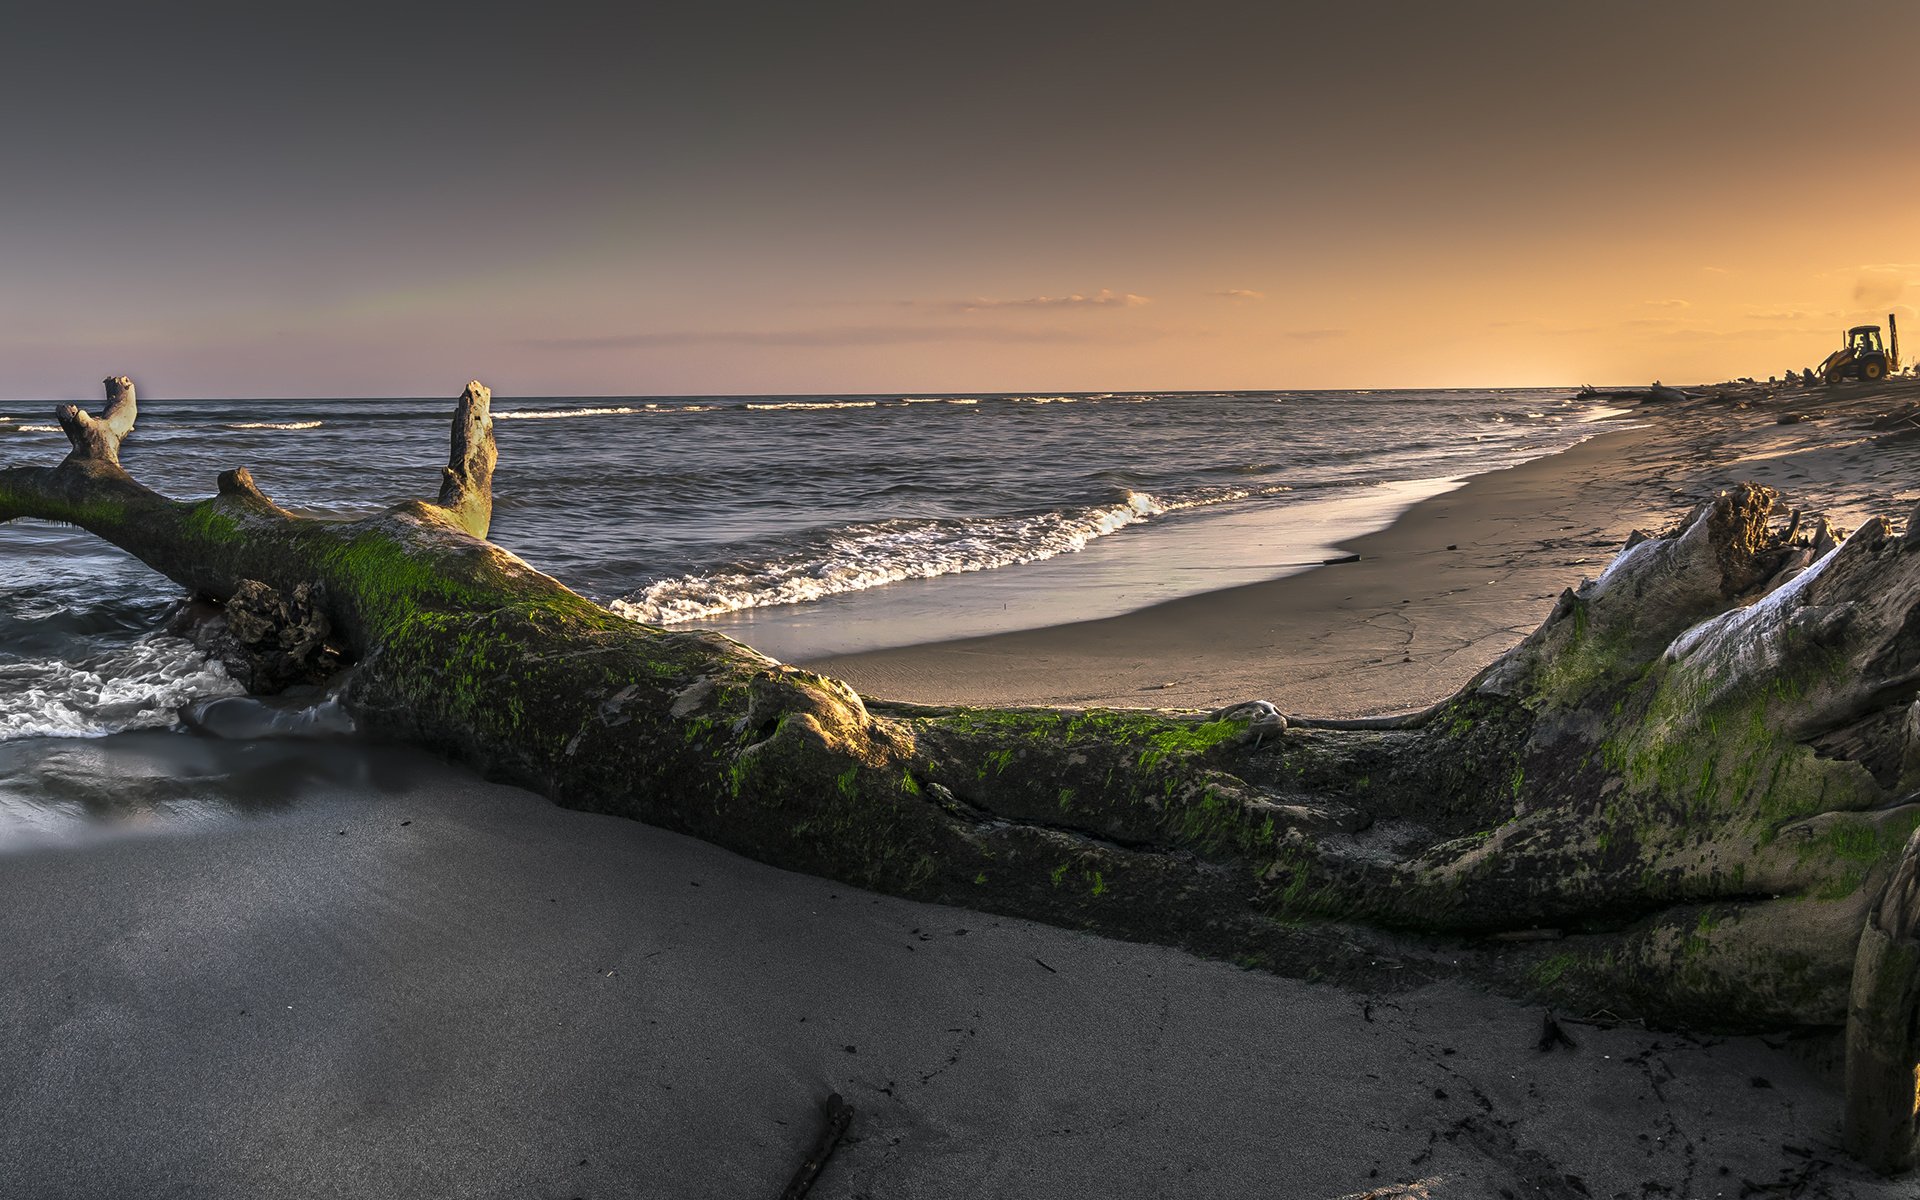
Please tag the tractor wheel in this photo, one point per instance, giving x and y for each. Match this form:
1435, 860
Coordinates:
1873, 369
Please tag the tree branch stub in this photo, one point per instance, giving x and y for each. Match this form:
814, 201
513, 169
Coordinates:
97, 439
466, 487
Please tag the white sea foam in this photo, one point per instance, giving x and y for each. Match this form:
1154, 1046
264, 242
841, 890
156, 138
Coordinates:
39, 429
274, 425
141, 686
801, 405
867, 556
555, 414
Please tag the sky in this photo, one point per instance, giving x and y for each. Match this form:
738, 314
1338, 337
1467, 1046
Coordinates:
826, 196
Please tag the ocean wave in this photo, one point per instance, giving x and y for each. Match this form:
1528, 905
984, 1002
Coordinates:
273, 425
555, 414
938, 400
802, 405
142, 686
1043, 399
39, 429
867, 556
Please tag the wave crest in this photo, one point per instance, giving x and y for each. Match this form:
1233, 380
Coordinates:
555, 414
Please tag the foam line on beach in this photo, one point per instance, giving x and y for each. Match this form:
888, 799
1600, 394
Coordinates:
141, 686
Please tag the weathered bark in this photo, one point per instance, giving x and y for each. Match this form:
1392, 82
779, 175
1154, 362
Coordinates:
1700, 770
1883, 1027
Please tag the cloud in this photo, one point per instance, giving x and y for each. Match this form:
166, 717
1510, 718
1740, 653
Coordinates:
1667, 303
1241, 294
1876, 286
841, 335
1716, 270
1104, 298
1781, 314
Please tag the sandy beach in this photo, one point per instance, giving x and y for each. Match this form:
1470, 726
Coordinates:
363, 972
407, 981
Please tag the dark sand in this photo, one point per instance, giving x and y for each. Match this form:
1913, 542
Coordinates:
503, 998
285, 990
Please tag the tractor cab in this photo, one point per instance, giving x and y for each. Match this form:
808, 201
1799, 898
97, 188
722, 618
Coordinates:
1865, 339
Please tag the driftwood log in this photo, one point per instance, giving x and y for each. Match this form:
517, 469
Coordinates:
1700, 772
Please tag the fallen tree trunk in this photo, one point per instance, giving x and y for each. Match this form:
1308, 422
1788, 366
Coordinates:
1698, 773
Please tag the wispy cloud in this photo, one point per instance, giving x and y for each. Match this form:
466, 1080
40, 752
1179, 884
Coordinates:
1104, 298
1242, 294
1667, 303
1781, 314
1716, 270
1734, 335
840, 335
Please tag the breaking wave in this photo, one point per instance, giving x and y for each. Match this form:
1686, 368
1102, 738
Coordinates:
858, 557
555, 414
274, 425
142, 686
618, 410
792, 405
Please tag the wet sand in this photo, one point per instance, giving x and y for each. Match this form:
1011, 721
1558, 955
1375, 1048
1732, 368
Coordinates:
405, 981
361, 972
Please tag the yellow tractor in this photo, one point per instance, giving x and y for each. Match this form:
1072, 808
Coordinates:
1863, 356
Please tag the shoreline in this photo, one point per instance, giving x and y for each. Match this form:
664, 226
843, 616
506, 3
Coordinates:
1453, 582
1396, 630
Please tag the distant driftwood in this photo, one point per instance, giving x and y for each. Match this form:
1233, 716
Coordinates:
1657, 393
1702, 769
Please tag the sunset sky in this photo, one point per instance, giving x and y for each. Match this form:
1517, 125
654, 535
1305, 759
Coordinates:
816, 196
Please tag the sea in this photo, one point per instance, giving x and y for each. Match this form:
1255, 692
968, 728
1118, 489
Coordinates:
803, 525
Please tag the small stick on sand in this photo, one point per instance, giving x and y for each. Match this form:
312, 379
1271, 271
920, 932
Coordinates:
839, 1115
